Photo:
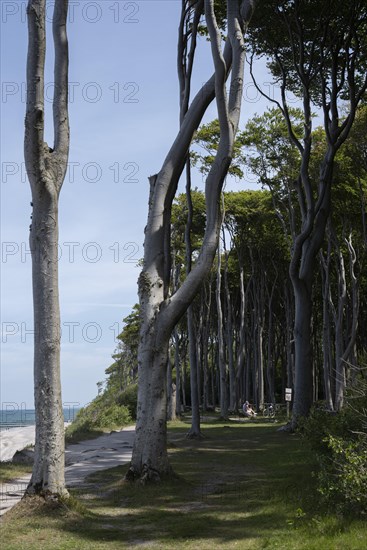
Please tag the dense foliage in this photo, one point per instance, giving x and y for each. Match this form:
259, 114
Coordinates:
340, 443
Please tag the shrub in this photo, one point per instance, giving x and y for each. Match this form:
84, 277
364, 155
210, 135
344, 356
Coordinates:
101, 414
129, 399
113, 416
340, 443
342, 477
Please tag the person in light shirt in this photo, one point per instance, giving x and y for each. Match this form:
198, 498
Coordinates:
248, 410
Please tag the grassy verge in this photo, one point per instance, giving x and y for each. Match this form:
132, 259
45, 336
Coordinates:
75, 434
243, 486
9, 471
99, 417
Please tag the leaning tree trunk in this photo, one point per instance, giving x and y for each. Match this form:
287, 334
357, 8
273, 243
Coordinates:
160, 311
46, 169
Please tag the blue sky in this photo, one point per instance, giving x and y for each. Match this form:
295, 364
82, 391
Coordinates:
123, 118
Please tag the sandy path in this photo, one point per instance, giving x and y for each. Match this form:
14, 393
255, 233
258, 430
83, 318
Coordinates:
81, 459
15, 439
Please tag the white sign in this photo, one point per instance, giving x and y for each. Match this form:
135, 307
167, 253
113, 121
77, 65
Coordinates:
288, 394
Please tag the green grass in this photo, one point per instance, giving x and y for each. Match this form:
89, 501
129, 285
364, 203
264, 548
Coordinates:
244, 486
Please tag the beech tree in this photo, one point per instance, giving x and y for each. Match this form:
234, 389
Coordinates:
160, 310
317, 50
46, 168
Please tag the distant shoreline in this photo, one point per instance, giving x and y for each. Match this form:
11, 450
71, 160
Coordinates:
16, 439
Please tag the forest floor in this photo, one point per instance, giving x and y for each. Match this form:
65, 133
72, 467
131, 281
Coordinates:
245, 485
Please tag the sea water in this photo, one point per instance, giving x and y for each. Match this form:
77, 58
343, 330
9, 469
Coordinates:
13, 415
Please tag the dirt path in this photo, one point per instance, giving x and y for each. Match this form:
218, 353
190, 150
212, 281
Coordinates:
81, 460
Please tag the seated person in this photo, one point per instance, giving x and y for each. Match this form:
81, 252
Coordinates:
248, 410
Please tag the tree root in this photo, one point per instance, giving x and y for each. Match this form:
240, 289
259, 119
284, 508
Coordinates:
148, 475
194, 435
288, 428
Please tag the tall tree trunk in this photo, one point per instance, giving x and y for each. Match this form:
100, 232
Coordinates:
303, 390
205, 347
260, 366
223, 384
150, 460
46, 169
171, 393
194, 431
340, 375
183, 355
305, 249
326, 336
270, 371
178, 374
229, 338
289, 335
346, 353
241, 345
185, 60
160, 311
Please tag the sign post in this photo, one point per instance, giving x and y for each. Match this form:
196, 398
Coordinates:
288, 398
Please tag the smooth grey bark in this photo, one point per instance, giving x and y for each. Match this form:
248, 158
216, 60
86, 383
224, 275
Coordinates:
205, 345
185, 60
46, 170
260, 395
199, 347
289, 335
171, 393
183, 361
176, 273
326, 333
222, 366
240, 363
258, 330
229, 336
160, 311
194, 431
303, 387
270, 370
340, 374
178, 373
344, 344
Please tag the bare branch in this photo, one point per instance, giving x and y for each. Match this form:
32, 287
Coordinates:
60, 101
34, 119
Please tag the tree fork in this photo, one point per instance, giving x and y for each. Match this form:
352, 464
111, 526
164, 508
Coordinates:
159, 311
46, 168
